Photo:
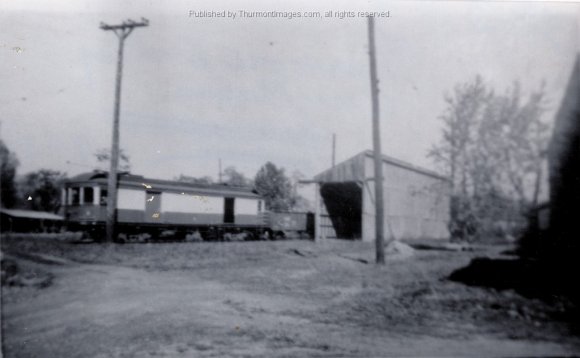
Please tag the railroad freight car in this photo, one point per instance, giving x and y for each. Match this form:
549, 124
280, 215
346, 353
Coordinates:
285, 225
149, 209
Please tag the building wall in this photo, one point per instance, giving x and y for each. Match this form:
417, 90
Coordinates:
416, 204
564, 167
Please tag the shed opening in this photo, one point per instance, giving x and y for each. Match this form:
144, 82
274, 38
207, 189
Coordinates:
343, 202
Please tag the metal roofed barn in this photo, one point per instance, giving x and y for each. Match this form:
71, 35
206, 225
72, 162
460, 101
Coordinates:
416, 200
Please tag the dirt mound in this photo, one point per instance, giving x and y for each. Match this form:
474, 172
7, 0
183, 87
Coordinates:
13, 274
303, 253
9, 269
398, 250
445, 246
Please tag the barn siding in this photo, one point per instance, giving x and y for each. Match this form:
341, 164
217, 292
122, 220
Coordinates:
564, 168
416, 200
349, 170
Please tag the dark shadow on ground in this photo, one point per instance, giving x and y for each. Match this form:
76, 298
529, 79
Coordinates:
523, 276
529, 278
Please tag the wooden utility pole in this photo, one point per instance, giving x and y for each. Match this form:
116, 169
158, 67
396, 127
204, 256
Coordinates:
122, 31
220, 171
333, 149
379, 207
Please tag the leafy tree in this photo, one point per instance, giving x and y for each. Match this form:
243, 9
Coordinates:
273, 184
103, 157
234, 178
8, 165
41, 190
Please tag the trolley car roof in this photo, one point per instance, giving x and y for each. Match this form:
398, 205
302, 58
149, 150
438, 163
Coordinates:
137, 181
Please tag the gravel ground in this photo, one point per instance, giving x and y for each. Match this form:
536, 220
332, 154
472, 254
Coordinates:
266, 299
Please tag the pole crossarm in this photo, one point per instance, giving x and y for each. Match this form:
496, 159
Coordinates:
127, 24
124, 29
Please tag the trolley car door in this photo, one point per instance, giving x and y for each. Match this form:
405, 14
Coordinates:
228, 210
153, 206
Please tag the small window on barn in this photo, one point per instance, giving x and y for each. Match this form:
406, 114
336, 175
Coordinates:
103, 200
75, 196
259, 206
88, 195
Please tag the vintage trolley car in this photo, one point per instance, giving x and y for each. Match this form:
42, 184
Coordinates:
149, 209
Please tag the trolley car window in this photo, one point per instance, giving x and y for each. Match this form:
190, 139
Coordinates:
88, 195
75, 196
103, 200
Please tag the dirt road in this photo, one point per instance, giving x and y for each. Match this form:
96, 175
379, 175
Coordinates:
301, 300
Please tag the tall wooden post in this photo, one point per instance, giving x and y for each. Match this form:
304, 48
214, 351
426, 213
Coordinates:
333, 149
317, 211
378, 161
122, 31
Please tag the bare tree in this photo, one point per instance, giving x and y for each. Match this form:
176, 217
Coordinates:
455, 150
104, 156
493, 149
525, 144
235, 178
206, 180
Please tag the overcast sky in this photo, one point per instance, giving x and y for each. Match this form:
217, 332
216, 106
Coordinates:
250, 90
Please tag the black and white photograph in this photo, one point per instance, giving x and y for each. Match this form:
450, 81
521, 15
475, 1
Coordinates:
253, 178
